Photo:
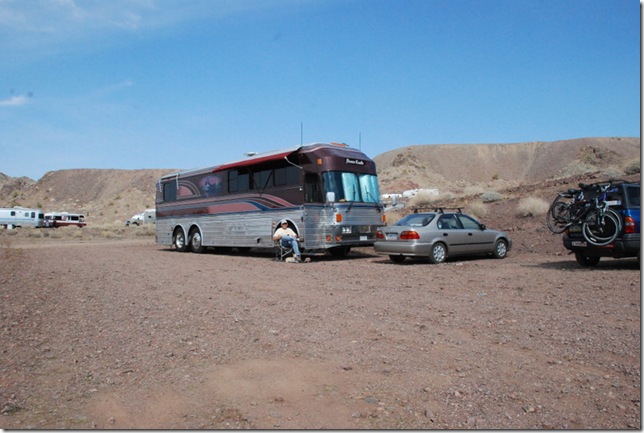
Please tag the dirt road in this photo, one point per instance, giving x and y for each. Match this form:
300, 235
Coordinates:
126, 334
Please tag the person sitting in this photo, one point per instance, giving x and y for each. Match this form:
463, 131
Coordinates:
287, 237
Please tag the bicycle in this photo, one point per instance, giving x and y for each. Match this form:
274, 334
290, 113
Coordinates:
600, 224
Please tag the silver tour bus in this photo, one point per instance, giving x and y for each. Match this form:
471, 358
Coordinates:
328, 192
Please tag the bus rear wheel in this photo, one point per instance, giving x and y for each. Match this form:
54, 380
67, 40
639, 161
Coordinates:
179, 240
196, 242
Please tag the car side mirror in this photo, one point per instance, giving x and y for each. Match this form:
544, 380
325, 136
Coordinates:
482, 226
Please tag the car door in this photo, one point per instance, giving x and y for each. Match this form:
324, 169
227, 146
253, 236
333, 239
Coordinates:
477, 240
452, 234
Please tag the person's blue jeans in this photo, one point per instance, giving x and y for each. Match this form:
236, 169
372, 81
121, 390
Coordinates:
290, 241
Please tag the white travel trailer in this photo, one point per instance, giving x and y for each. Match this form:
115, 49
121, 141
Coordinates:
146, 217
17, 216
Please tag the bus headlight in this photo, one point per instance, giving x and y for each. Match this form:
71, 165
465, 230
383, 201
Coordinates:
346, 230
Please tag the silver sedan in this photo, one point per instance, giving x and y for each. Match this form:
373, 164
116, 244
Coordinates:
438, 235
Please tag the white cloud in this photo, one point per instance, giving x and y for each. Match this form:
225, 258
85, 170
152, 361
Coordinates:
14, 101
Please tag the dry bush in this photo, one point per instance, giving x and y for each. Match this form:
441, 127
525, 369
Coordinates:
612, 173
394, 216
632, 166
477, 209
473, 190
532, 206
430, 200
577, 168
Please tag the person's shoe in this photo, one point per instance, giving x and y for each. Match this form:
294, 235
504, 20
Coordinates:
298, 259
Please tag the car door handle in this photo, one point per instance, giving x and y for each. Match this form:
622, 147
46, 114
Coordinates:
469, 234
445, 234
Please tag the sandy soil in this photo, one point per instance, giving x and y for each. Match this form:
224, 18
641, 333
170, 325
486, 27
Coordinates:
127, 334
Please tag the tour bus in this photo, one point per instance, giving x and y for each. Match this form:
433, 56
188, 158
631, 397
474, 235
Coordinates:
17, 216
64, 219
328, 193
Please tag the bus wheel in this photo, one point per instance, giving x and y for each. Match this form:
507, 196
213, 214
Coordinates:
196, 242
179, 240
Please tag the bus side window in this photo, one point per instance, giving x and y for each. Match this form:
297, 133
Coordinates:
262, 179
312, 190
237, 181
170, 191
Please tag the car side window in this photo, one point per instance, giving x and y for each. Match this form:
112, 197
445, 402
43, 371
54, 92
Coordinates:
448, 222
468, 222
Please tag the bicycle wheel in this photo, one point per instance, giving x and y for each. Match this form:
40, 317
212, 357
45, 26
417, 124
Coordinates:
558, 215
618, 217
600, 229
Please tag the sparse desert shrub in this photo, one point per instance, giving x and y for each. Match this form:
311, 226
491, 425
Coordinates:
430, 200
473, 190
612, 173
491, 196
477, 209
145, 230
632, 166
54, 233
394, 216
532, 206
577, 168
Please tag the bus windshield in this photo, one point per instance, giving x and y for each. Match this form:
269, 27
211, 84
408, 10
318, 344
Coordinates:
353, 187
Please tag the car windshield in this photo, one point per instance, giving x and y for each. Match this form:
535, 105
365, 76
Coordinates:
415, 220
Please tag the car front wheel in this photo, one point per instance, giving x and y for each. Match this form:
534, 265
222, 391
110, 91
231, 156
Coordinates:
438, 253
500, 249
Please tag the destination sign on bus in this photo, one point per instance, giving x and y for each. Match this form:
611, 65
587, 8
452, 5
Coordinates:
354, 161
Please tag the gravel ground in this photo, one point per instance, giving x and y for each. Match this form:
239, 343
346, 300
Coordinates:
127, 334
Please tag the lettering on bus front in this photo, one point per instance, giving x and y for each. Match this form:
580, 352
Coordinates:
354, 161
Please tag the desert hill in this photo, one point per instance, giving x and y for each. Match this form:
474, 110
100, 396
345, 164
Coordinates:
113, 196
445, 166
104, 196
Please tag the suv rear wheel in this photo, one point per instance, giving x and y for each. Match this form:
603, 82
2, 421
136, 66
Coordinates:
585, 260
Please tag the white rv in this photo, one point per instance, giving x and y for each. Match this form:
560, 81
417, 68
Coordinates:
146, 217
64, 219
17, 216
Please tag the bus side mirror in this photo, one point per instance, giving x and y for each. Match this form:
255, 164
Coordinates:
330, 197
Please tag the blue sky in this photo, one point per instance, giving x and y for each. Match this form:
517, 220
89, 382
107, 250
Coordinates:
134, 84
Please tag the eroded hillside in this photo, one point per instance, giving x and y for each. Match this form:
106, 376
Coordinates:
427, 166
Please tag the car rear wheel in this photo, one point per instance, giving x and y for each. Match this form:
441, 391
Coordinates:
438, 254
588, 261
500, 249
396, 258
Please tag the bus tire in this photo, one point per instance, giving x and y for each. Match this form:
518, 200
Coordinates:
179, 240
196, 242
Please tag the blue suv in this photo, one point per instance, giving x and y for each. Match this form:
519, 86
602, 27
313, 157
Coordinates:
627, 243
